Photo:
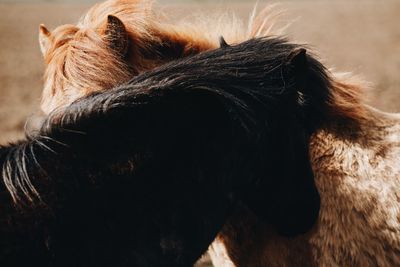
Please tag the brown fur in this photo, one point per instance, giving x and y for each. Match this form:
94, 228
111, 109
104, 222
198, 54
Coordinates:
357, 173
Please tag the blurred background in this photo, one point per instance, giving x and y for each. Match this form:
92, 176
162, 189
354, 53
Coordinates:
361, 36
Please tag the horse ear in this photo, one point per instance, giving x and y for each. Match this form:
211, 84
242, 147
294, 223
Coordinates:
116, 35
44, 39
298, 59
296, 67
222, 42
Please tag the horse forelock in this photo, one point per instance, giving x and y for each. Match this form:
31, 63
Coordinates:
79, 62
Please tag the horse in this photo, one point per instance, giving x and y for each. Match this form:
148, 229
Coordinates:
128, 38
147, 173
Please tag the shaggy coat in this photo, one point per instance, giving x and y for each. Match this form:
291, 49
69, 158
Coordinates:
357, 173
146, 174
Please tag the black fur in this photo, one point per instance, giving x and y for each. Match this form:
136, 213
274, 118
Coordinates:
222, 42
146, 174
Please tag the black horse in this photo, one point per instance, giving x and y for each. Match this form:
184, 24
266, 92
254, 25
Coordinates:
146, 174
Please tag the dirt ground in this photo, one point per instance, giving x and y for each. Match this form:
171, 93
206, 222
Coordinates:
358, 36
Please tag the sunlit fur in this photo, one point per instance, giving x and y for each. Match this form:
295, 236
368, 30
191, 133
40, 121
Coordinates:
147, 173
79, 59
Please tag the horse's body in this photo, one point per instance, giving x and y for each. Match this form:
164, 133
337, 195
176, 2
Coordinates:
357, 172
147, 173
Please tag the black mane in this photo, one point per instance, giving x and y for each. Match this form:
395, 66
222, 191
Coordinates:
145, 174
